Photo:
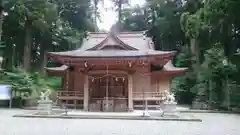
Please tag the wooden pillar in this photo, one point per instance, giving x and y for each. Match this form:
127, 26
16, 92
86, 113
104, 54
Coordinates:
63, 79
67, 80
170, 84
159, 85
44, 63
86, 92
130, 91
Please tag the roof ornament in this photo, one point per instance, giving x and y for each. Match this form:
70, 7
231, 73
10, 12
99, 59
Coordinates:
144, 37
85, 64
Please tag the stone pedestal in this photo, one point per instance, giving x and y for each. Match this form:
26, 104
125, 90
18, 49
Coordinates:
108, 106
170, 109
145, 113
158, 113
45, 107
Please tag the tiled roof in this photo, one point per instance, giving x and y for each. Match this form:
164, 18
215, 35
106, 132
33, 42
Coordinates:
132, 44
134, 39
129, 45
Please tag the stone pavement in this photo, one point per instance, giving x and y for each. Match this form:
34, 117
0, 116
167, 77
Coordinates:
213, 123
135, 115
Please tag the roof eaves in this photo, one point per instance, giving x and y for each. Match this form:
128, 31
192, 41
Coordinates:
170, 67
61, 68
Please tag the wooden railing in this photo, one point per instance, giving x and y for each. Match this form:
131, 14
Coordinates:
148, 95
70, 94
136, 95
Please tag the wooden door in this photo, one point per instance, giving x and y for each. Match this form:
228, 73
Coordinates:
114, 86
104, 86
118, 88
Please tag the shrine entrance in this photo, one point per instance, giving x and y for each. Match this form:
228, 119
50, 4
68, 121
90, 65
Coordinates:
108, 93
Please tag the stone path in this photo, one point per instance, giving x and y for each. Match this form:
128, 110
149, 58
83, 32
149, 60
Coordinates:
220, 124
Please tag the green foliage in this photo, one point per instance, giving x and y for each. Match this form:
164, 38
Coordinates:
217, 64
182, 86
234, 88
55, 25
193, 24
214, 25
134, 19
54, 83
23, 82
215, 71
28, 83
161, 21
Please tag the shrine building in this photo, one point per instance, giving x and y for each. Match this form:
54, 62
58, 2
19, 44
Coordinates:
113, 72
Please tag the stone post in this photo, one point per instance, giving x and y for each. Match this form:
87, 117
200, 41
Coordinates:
86, 92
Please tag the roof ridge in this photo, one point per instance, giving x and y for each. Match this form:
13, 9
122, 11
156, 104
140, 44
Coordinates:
123, 32
116, 39
133, 32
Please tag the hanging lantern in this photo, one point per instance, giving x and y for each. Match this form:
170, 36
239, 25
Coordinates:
92, 79
130, 64
116, 79
123, 79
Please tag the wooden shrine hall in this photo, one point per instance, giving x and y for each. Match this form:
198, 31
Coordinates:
113, 72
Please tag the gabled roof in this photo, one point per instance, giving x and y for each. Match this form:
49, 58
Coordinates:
124, 44
133, 40
112, 40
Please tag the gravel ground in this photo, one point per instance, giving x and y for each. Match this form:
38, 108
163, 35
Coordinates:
213, 124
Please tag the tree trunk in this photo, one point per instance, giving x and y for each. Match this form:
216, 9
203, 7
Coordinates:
226, 94
210, 94
1, 23
196, 52
95, 11
194, 46
120, 10
7, 61
43, 59
27, 46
